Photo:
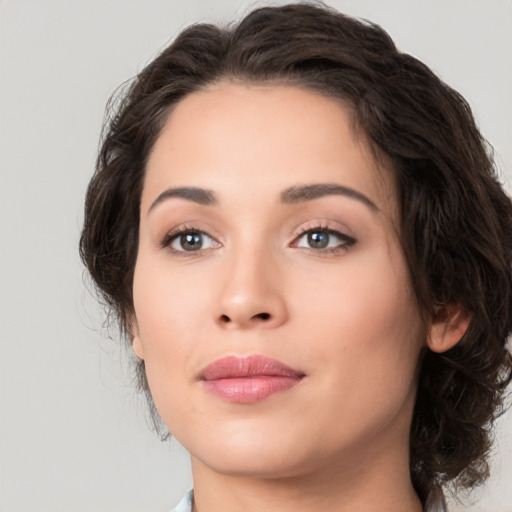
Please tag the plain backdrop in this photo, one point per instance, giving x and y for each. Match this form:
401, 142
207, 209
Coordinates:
73, 434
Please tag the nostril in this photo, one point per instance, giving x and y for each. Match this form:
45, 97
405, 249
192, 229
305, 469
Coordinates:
262, 316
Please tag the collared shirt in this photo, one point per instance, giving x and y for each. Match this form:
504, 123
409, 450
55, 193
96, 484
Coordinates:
185, 505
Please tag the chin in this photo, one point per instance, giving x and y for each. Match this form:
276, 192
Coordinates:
258, 456
251, 465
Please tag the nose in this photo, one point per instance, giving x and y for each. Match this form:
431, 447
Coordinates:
251, 293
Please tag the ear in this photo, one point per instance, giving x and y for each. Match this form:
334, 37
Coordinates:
136, 341
449, 325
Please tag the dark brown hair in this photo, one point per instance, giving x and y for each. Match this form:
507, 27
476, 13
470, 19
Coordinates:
456, 221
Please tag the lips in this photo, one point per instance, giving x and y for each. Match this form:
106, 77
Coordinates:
248, 379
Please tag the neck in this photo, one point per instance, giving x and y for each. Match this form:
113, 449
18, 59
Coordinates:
382, 486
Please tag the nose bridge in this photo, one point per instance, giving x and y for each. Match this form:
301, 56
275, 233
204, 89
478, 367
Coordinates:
250, 293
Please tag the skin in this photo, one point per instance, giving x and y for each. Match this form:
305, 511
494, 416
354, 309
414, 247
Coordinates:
345, 316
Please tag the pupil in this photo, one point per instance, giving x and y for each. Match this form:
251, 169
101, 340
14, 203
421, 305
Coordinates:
191, 241
318, 240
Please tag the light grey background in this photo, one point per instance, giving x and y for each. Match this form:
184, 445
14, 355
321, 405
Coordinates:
73, 435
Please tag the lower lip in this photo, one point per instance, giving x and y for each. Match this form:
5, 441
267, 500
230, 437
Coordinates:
248, 390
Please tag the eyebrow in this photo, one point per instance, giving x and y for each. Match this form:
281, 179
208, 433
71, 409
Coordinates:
292, 195
195, 194
302, 193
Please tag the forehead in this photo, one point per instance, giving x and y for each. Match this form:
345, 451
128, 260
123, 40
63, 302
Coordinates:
266, 137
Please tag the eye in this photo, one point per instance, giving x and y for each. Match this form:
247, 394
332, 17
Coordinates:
323, 239
189, 240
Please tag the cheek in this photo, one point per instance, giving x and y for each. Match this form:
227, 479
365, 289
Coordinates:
365, 320
366, 336
167, 309
168, 303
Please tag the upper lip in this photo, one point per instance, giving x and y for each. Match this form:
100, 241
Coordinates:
233, 367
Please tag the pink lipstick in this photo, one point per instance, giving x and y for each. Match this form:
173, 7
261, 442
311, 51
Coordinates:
246, 380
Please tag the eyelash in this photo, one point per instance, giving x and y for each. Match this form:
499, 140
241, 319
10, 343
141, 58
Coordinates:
173, 235
345, 241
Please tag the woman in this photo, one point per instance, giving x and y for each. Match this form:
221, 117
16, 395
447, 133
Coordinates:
304, 240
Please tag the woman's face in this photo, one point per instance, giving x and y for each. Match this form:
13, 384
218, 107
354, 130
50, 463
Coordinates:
274, 309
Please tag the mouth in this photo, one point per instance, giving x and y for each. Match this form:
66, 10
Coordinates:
247, 380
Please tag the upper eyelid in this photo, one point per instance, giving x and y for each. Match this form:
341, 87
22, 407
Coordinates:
173, 234
181, 229
324, 225
332, 231
346, 241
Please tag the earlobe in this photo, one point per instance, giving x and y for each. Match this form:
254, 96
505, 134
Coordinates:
137, 347
136, 341
447, 328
